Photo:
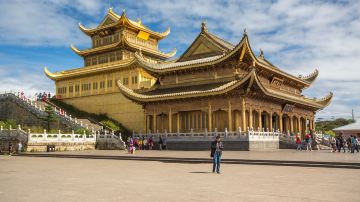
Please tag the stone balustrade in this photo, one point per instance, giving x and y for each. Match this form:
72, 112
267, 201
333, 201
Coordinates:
32, 106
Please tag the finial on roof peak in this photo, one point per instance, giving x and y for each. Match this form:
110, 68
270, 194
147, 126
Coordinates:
245, 32
123, 12
261, 54
203, 26
139, 20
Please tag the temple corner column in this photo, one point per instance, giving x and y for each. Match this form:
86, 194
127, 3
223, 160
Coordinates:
170, 120
230, 118
281, 122
210, 118
243, 112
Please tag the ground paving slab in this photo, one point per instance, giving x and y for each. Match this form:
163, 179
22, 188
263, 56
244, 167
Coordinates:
284, 175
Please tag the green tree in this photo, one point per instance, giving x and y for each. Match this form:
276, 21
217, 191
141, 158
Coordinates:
50, 117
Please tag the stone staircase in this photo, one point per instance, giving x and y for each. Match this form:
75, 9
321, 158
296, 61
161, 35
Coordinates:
109, 141
287, 142
37, 108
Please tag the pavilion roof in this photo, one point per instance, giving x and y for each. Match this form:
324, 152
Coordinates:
247, 82
125, 21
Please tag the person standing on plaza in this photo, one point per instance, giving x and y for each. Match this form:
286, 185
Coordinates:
165, 142
333, 144
216, 153
340, 143
10, 148
131, 146
308, 142
298, 143
160, 142
354, 143
19, 147
143, 143
150, 143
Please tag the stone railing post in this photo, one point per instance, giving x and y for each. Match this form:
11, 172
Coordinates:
59, 135
206, 132
29, 135
84, 135
10, 127
70, 117
226, 132
19, 127
1, 128
192, 132
45, 134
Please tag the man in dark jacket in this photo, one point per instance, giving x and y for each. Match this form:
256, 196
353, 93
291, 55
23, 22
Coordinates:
216, 152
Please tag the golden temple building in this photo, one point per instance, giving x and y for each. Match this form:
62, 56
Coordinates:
213, 86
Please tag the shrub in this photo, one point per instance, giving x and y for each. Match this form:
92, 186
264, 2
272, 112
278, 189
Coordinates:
81, 131
111, 125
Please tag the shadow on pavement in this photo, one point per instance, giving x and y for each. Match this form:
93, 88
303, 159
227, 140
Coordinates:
200, 172
203, 160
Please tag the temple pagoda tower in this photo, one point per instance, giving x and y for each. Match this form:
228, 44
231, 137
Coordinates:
111, 57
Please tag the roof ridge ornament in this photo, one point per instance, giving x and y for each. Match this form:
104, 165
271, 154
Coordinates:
261, 55
245, 32
203, 26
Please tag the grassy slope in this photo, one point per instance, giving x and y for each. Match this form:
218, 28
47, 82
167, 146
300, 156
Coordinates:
83, 114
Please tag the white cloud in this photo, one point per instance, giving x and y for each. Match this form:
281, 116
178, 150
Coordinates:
43, 22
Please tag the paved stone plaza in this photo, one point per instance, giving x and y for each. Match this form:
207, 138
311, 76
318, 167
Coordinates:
180, 176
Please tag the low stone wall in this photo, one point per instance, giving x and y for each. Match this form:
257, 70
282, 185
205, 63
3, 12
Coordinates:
68, 146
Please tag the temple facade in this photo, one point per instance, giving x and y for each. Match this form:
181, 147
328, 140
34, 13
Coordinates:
213, 86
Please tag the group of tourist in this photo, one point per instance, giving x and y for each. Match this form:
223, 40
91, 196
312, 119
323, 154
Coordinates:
307, 142
42, 96
11, 148
142, 143
340, 143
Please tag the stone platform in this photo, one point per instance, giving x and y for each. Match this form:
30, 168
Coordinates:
179, 176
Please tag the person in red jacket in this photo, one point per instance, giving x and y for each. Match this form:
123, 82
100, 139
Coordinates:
298, 143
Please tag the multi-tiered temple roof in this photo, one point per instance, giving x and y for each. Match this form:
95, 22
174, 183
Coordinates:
209, 52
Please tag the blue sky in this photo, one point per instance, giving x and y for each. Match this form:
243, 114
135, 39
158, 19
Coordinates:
297, 36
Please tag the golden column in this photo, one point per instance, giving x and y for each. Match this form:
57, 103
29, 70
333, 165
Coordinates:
230, 117
146, 122
270, 121
210, 118
178, 122
170, 120
260, 122
281, 122
243, 112
250, 117
291, 124
154, 122
80, 88
299, 124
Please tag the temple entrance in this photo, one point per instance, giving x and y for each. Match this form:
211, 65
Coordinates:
193, 120
295, 122
236, 120
286, 123
255, 116
265, 120
275, 121
162, 121
220, 120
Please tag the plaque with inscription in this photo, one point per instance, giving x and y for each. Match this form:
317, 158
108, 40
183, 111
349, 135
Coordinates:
288, 108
